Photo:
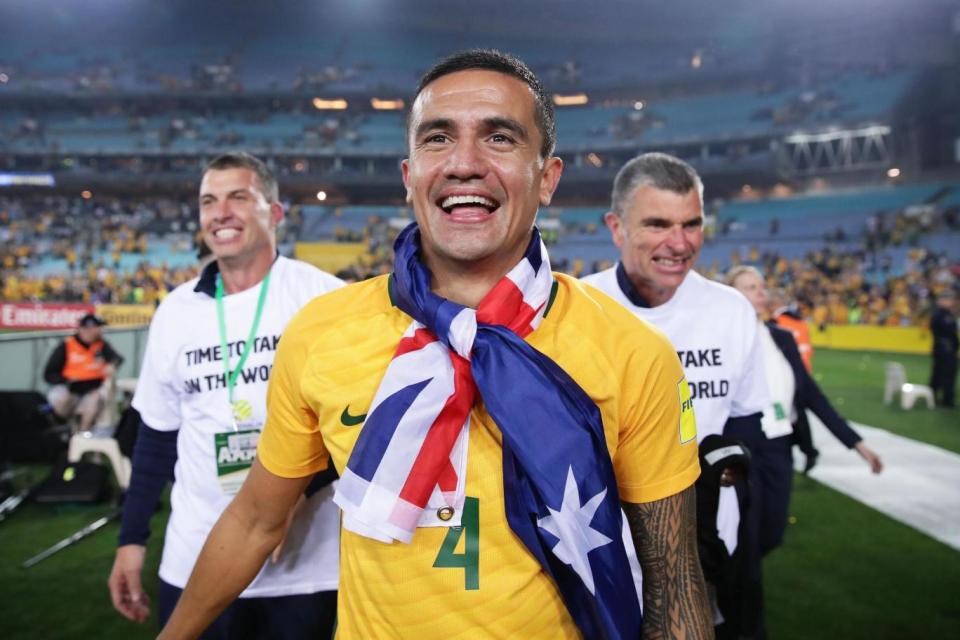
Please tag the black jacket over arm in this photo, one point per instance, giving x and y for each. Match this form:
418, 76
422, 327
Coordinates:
807, 394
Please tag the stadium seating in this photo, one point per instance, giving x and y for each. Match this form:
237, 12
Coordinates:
692, 119
858, 201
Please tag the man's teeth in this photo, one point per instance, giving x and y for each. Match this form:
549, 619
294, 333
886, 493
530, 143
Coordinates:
669, 261
454, 201
226, 234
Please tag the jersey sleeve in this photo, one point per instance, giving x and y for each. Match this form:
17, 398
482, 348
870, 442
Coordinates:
656, 455
750, 391
291, 445
157, 395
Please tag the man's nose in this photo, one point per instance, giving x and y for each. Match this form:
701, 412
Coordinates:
676, 239
466, 161
220, 209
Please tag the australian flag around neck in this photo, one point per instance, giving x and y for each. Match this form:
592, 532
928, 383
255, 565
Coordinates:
560, 491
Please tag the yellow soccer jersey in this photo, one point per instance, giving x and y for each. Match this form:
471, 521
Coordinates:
452, 582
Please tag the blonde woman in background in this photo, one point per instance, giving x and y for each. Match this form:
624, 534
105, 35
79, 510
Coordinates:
792, 391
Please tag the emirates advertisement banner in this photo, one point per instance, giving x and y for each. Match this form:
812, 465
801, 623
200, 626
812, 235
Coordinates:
27, 315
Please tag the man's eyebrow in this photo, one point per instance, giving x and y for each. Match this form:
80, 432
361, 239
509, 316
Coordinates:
233, 192
499, 122
657, 220
491, 123
431, 125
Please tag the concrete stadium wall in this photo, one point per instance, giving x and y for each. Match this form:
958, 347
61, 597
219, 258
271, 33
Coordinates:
865, 338
24, 355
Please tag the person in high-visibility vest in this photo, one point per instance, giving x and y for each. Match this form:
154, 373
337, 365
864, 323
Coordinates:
77, 371
788, 317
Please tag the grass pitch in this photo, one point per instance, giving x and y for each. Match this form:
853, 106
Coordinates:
65, 596
845, 572
853, 381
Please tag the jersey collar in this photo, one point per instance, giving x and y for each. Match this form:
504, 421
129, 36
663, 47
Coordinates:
208, 279
391, 285
207, 284
623, 280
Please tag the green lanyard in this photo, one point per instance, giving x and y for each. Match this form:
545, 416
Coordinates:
221, 318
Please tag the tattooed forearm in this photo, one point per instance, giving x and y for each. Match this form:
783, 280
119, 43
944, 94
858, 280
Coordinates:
675, 603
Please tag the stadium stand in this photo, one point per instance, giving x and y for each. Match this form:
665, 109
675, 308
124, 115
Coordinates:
97, 113
826, 134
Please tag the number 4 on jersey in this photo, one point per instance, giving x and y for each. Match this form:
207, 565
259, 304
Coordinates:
469, 560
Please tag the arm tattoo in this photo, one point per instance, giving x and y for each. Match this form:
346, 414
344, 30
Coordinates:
675, 602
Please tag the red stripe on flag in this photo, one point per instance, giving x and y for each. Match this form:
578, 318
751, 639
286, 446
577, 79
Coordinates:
505, 302
433, 460
448, 478
502, 302
419, 339
521, 324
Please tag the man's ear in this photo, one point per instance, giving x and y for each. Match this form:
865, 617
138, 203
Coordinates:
615, 224
405, 172
276, 214
549, 179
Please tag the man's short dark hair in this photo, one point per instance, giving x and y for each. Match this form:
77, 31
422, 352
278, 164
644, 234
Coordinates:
657, 170
244, 160
493, 60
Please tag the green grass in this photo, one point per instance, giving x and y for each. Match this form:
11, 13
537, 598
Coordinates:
65, 596
845, 571
853, 380
848, 572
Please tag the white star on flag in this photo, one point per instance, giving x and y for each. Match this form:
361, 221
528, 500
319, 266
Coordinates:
571, 525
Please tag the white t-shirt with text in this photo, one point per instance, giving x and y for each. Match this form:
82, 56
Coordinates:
182, 387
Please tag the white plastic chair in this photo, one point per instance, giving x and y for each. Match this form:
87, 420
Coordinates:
896, 382
100, 440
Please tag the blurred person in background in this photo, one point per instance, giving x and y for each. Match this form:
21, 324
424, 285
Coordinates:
80, 371
943, 326
787, 316
792, 392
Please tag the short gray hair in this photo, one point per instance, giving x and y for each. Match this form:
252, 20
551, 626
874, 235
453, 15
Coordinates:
657, 170
244, 160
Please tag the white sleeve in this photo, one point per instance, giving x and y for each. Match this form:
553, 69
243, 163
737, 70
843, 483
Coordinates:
751, 393
156, 397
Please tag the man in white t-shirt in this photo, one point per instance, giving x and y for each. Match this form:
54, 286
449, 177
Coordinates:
656, 220
202, 401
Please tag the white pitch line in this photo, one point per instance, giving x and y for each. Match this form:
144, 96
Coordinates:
919, 485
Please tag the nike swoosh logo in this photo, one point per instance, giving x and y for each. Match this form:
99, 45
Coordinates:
349, 420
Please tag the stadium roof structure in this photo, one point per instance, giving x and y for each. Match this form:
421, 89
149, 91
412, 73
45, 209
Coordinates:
107, 45
750, 92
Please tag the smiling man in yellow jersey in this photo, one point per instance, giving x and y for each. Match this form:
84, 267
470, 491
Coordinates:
516, 531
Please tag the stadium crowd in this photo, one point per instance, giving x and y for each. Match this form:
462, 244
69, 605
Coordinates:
91, 236
850, 287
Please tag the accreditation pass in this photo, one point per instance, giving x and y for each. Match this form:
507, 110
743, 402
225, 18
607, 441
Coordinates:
235, 453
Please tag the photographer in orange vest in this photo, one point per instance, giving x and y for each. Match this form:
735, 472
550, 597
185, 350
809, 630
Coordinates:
79, 371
